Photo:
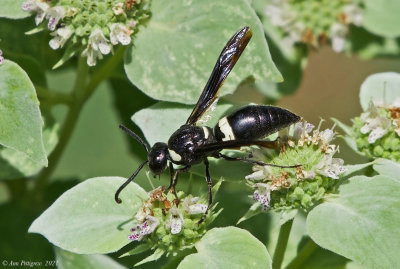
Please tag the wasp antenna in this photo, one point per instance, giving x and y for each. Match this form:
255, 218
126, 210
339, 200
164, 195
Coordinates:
135, 136
127, 182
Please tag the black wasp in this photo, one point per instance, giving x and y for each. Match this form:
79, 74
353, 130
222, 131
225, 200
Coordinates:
192, 144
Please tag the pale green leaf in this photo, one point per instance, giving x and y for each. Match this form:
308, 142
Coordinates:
87, 220
353, 168
173, 56
382, 17
68, 260
362, 222
387, 168
14, 164
12, 9
228, 247
20, 119
381, 87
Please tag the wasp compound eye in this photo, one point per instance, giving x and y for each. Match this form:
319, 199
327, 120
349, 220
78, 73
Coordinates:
158, 157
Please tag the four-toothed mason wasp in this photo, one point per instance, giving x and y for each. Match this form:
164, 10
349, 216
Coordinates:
192, 144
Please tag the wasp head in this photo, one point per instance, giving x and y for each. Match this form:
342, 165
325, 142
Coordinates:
158, 157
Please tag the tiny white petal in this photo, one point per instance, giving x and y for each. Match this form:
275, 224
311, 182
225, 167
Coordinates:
354, 14
55, 14
256, 175
338, 35
176, 226
376, 134
197, 209
104, 48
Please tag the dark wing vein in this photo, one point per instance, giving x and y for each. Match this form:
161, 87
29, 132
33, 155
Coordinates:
225, 63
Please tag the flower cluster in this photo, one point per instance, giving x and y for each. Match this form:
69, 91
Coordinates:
290, 188
85, 27
314, 22
169, 224
377, 130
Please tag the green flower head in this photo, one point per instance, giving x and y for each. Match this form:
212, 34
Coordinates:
377, 131
88, 28
302, 187
313, 22
169, 224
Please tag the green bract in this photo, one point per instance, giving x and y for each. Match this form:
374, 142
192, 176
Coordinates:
85, 27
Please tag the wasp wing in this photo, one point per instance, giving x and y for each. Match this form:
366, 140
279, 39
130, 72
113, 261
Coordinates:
225, 63
235, 144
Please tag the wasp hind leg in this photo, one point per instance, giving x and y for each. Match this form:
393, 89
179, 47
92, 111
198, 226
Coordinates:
209, 183
228, 158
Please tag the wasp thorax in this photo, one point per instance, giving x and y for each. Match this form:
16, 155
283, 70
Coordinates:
158, 157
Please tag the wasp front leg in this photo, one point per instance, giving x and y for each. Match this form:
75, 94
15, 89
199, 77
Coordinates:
174, 178
209, 183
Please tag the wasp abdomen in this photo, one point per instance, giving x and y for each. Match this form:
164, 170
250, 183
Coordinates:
253, 122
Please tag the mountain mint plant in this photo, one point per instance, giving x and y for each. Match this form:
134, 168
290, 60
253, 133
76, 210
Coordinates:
284, 189
157, 60
88, 28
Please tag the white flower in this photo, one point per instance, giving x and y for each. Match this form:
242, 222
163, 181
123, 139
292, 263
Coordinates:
54, 14
280, 13
144, 211
1, 57
375, 124
147, 227
262, 195
118, 9
37, 6
257, 175
295, 33
330, 167
338, 36
98, 45
190, 205
60, 37
353, 14
175, 221
120, 33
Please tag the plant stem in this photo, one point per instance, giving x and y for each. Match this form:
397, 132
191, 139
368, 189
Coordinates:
303, 255
52, 97
80, 94
66, 132
281, 244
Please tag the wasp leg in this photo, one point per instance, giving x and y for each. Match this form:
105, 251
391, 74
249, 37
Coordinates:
209, 183
228, 158
174, 177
